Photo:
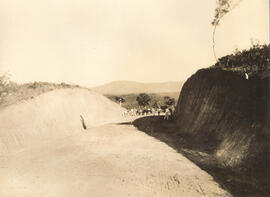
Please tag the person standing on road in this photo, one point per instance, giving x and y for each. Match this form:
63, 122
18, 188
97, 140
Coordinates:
172, 112
167, 114
159, 110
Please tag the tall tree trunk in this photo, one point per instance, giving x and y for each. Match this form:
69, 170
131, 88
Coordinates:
214, 43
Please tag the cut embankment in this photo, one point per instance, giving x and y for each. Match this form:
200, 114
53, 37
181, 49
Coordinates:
53, 115
229, 115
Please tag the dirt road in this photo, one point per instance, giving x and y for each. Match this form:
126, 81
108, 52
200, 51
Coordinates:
112, 160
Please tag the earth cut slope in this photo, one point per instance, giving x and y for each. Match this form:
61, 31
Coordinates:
52, 115
225, 110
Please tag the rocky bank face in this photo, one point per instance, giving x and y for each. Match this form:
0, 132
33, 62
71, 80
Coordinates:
228, 115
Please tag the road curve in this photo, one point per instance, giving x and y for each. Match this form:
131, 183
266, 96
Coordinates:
113, 160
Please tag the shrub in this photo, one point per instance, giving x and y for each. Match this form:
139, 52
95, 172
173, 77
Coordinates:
143, 99
253, 61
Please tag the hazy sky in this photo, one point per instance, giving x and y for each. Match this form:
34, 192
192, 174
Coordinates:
92, 42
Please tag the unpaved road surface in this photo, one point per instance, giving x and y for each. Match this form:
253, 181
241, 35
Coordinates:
114, 160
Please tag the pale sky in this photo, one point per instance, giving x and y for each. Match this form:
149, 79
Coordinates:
91, 42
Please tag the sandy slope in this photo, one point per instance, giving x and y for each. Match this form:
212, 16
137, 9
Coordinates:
110, 160
55, 114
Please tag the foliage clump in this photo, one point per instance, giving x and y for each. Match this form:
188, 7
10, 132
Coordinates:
6, 85
143, 99
253, 61
169, 101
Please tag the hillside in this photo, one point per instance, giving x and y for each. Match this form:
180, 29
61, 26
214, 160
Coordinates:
53, 115
227, 115
130, 87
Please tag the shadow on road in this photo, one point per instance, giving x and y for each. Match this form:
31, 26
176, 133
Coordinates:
237, 184
125, 123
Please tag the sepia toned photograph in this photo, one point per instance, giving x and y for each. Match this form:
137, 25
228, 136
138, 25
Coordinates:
134, 98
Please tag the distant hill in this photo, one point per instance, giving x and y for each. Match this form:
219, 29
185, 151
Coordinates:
131, 87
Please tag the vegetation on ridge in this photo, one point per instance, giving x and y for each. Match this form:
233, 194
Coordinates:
11, 92
253, 61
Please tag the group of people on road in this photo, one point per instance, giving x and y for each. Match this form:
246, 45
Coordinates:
140, 112
168, 112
